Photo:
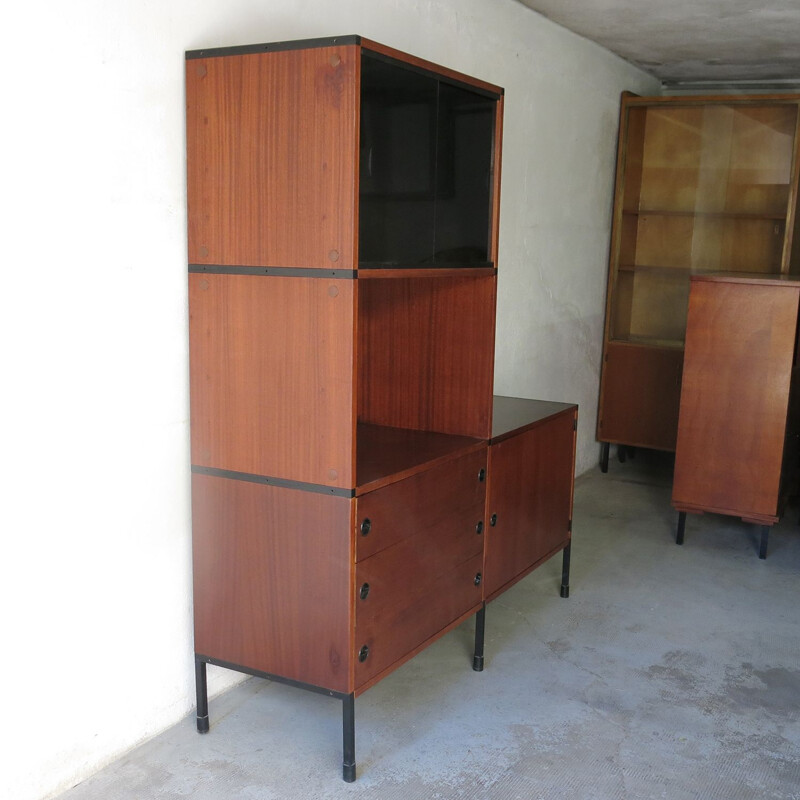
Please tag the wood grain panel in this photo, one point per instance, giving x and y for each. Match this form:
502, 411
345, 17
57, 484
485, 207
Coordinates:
640, 396
426, 609
447, 498
387, 455
273, 580
530, 490
426, 351
272, 158
737, 371
272, 380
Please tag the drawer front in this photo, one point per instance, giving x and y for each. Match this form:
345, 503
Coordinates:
402, 611
451, 494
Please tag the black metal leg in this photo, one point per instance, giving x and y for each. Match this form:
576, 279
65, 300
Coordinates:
565, 571
480, 625
604, 448
622, 453
762, 550
681, 527
202, 695
349, 738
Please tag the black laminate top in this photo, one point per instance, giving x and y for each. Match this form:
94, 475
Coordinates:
513, 414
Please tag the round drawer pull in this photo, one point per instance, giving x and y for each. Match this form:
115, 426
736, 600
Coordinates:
479, 527
478, 579
365, 526
363, 654
493, 520
364, 591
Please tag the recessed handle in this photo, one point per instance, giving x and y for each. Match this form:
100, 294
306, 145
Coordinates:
481, 474
493, 520
366, 525
479, 527
478, 579
364, 591
363, 654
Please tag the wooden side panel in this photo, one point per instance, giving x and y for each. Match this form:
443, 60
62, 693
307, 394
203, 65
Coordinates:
272, 580
272, 149
272, 378
531, 477
640, 396
426, 349
737, 372
428, 505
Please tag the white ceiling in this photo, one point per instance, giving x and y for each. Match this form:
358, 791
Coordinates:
734, 42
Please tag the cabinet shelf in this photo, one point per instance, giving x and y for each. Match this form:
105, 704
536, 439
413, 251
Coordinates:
386, 455
426, 272
733, 215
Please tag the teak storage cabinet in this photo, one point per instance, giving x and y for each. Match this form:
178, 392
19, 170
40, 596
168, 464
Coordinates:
357, 489
704, 184
737, 450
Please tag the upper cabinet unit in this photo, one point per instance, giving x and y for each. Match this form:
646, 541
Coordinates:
703, 185
376, 160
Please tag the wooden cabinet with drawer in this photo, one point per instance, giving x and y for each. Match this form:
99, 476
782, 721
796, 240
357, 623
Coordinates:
342, 296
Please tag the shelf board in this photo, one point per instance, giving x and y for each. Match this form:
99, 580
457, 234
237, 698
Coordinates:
426, 272
386, 455
672, 344
733, 215
685, 272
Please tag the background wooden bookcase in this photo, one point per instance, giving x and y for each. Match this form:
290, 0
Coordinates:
703, 184
738, 447
357, 489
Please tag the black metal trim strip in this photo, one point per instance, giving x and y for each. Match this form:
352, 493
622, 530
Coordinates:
281, 272
431, 73
439, 265
283, 483
271, 47
310, 687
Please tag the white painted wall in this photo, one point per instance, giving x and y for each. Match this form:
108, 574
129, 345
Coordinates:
95, 577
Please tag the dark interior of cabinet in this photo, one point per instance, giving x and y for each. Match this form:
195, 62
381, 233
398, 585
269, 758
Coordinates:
425, 165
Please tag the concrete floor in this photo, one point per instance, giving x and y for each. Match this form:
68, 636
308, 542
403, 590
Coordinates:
670, 672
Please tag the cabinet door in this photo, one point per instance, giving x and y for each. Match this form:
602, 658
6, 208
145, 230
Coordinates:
640, 395
530, 500
417, 564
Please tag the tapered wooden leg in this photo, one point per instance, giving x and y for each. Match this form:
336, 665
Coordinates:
681, 527
480, 623
202, 695
349, 738
565, 571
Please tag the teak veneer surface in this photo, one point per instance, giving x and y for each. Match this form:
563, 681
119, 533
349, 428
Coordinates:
386, 455
451, 494
272, 158
740, 347
641, 395
272, 379
273, 580
426, 350
530, 491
